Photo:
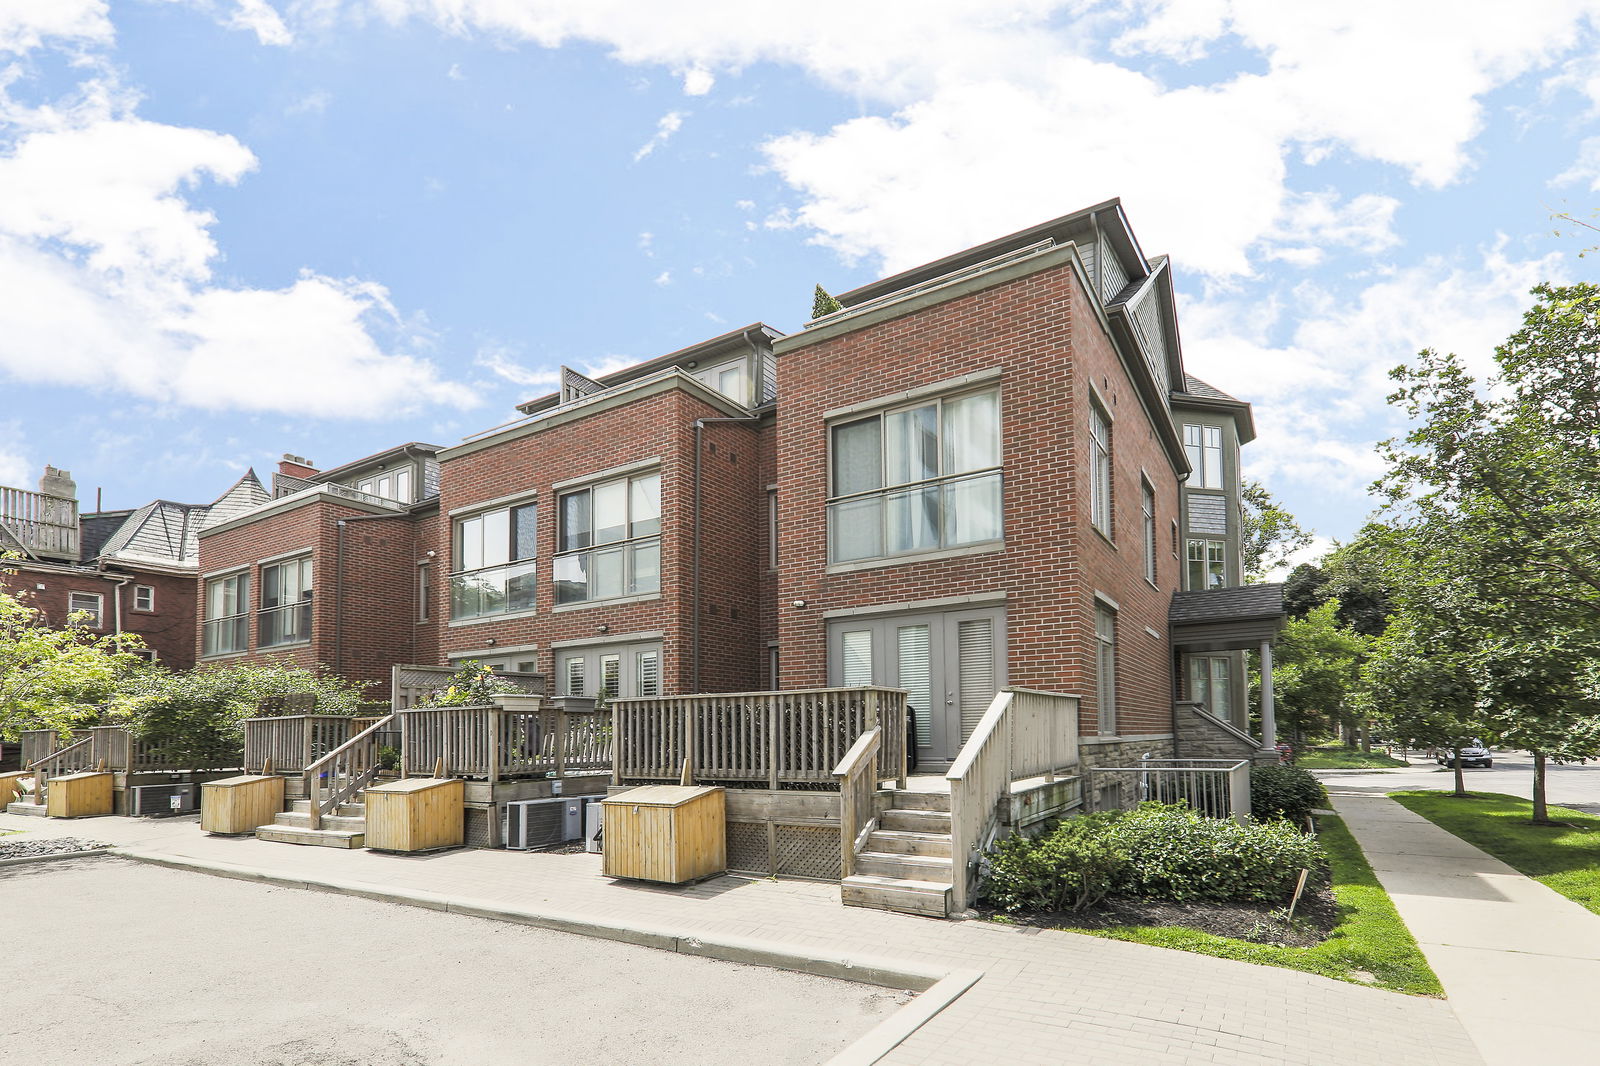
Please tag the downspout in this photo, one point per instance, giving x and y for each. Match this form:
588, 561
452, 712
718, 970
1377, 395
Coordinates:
116, 600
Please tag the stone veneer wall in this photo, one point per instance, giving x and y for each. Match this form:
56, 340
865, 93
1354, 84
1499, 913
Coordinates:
1117, 790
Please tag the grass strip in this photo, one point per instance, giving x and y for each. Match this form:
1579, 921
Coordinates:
1345, 759
1369, 939
1564, 857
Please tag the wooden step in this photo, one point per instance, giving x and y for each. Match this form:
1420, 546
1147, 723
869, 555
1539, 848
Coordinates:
901, 842
905, 867
907, 800
345, 810
323, 838
33, 810
297, 820
919, 821
895, 894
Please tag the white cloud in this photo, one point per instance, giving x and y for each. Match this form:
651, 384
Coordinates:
664, 278
1585, 169
15, 469
107, 271
698, 81
454, 73
261, 19
26, 24
666, 126
1312, 222
313, 103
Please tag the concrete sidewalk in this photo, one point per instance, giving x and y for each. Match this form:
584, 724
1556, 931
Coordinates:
1519, 962
1043, 997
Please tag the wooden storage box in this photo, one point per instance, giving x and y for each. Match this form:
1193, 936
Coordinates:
9, 787
417, 814
240, 804
669, 833
78, 795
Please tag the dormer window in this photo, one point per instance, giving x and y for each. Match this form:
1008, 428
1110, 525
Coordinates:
732, 379
390, 485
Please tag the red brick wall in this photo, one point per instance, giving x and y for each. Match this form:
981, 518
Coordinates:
168, 629
1053, 561
655, 426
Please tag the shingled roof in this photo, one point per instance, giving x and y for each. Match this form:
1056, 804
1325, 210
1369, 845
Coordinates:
1235, 603
1195, 387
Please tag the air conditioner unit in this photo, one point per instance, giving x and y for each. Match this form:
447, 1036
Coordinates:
541, 823
151, 801
593, 823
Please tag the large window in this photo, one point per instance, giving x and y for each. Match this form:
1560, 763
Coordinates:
495, 570
1208, 567
610, 672
1105, 673
227, 623
1211, 683
1147, 508
391, 485
1203, 445
89, 606
729, 378
916, 479
1099, 469
610, 540
285, 603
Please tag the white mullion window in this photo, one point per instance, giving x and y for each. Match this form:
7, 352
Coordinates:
915, 479
495, 562
1208, 566
1147, 507
89, 604
609, 540
286, 589
226, 627
390, 485
144, 597
1099, 469
1203, 447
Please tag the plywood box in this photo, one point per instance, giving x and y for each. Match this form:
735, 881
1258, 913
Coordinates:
669, 833
9, 787
79, 795
240, 804
417, 814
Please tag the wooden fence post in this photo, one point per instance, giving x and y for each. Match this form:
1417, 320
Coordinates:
774, 743
561, 741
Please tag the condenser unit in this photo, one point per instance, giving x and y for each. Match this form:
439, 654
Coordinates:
151, 801
541, 823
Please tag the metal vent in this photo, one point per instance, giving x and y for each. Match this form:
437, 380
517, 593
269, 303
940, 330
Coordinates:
148, 801
540, 823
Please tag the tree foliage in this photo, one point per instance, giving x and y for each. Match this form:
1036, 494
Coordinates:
1269, 534
824, 304
1420, 680
1315, 668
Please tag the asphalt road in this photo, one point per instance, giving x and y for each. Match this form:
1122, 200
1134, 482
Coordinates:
1576, 785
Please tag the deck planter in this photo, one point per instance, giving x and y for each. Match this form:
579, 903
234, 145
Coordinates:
417, 814
240, 804
79, 795
667, 833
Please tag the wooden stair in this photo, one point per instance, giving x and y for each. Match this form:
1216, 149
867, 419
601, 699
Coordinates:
905, 865
346, 827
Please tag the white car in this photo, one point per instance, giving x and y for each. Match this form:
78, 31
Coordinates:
1473, 753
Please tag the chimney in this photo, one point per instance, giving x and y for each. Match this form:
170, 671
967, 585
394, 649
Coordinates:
296, 466
58, 483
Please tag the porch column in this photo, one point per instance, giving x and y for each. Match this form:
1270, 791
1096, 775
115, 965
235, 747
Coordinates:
1269, 723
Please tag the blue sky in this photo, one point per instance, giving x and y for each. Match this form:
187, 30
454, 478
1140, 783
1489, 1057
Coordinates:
235, 228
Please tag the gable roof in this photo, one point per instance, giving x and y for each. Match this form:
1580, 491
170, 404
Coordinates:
166, 533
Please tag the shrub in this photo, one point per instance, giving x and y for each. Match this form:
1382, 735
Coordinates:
1175, 854
1284, 792
1069, 868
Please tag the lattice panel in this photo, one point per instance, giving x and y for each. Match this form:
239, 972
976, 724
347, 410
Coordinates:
747, 847
479, 828
808, 851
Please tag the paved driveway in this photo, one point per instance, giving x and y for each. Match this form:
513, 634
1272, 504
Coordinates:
1576, 785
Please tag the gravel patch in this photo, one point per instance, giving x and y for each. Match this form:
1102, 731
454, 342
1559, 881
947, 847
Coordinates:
26, 848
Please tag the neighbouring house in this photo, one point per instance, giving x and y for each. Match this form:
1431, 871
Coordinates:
124, 571
332, 570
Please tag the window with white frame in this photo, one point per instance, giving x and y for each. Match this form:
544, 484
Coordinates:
609, 541
1105, 674
88, 607
916, 479
1208, 564
1099, 469
1211, 683
285, 603
610, 672
1203, 446
389, 484
226, 628
144, 598
495, 562
732, 379
1147, 508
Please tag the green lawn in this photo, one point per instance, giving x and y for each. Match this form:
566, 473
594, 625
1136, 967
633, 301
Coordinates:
1370, 936
1565, 858
1342, 758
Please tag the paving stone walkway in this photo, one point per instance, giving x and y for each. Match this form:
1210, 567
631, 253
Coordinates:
1519, 961
1044, 997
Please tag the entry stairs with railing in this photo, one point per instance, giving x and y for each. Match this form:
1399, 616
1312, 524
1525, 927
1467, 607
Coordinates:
905, 864
346, 827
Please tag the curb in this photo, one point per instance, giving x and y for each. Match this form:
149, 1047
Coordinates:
937, 988
86, 853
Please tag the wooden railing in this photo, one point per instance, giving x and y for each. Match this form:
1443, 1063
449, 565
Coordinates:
41, 524
112, 746
857, 783
292, 741
37, 743
411, 684
1023, 734
344, 771
75, 758
787, 739
492, 742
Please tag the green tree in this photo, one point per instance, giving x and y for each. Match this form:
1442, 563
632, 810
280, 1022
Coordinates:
1315, 668
1420, 681
1269, 534
51, 678
823, 304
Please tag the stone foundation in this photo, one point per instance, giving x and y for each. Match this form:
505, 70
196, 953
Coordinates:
1107, 791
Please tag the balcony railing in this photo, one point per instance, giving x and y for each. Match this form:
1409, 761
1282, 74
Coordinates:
40, 524
950, 512
288, 624
224, 636
493, 590
609, 571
